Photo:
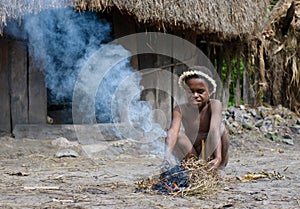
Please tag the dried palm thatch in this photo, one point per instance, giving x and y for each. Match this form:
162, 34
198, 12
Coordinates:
281, 37
226, 18
15, 9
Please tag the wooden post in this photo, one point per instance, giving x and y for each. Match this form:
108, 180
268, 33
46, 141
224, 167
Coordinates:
248, 93
227, 82
37, 94
238, 83
19, 82
262, 80
5, 122
220, 60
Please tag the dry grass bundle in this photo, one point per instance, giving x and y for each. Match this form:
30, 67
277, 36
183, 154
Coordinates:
202, 182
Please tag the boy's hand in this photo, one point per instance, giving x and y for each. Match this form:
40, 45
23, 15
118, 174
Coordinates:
214, 164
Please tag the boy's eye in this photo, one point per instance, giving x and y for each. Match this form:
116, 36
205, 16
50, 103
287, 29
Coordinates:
198, 91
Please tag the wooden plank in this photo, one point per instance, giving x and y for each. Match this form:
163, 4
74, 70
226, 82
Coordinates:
19, 88
5, 124
37, 94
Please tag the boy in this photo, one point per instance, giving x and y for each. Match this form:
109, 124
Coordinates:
205, 135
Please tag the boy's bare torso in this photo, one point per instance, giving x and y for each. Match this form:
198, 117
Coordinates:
196, 123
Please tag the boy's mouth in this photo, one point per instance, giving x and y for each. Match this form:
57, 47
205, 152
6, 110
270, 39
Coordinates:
196, 102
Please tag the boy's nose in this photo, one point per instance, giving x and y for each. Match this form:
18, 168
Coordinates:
196, 94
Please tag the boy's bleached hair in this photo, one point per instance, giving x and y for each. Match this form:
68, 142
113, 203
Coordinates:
197, 71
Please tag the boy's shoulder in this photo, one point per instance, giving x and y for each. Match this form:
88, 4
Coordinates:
215, 102
182, 108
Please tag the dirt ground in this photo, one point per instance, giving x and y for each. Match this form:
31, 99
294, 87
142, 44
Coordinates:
32, 177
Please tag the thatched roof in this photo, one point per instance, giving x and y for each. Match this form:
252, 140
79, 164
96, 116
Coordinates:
227, 18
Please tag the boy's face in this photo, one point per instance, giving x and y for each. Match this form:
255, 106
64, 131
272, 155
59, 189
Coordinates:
197, 92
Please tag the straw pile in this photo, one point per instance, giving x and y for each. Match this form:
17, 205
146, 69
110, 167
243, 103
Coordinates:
202, 182
227, 18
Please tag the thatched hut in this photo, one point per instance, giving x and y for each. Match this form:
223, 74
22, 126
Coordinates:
224, 30
280, 39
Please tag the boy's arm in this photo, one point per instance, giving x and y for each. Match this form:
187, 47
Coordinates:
213, 143
173, 132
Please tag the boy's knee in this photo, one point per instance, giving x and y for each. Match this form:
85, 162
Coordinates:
182, 138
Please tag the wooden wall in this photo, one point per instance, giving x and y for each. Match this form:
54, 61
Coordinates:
5, 119
22, 89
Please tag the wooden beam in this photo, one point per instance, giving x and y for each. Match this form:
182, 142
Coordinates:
226, 86
5, 123
248, 92
237, 96
37, 94
19, 83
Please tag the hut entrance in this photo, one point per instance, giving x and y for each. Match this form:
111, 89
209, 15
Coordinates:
59, 113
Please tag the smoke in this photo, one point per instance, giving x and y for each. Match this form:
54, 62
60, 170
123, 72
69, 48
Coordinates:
63, 42
107, 91
60, 39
